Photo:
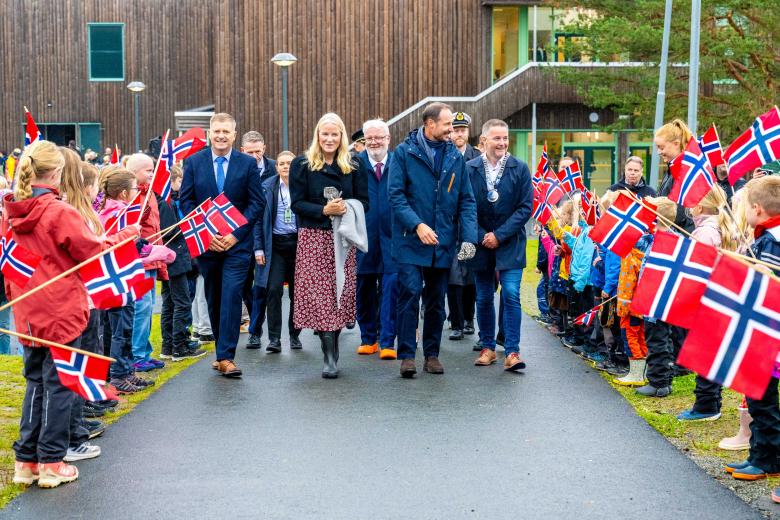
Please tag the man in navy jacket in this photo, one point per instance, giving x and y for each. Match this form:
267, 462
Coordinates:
377, 277
431, 199
504, 196
224, 266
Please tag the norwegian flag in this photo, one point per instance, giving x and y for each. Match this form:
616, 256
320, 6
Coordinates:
710, 145
552, 189
204, 209
737, 335
587, 318
541, 169
674, 279
571, 178
17, 263
542, 212
82, 373
196, 234
115, 277
590, 207
693, 176
115, 155
224, 216
757, 146
171, 152
623, 225
31, 132
119, 220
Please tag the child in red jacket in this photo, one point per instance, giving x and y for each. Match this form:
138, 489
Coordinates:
49, 227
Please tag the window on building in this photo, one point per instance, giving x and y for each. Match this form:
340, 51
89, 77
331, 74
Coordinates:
506, 42
106, 51
544, 28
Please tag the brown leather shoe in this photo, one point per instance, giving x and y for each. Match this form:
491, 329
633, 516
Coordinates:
229, 369
486, 358
513, 362
408, 368
433, 365
215, 365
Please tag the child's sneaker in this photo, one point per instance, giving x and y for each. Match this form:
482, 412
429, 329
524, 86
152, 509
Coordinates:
690, 415
166, 352
25, 473
52, 475
123, 386
82, 452
156, 363
143, 366
139, 382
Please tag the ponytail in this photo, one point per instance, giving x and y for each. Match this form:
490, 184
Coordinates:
72, 189
38, 158
675, 130
118, 181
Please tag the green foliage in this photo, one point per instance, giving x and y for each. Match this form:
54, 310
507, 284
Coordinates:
738, 70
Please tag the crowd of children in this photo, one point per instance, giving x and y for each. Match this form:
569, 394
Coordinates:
640, 351
65, 210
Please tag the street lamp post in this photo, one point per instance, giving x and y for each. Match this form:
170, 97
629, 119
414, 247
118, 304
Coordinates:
136, 87
284, 60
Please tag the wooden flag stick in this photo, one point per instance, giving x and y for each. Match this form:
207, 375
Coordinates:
159, 234
65, 273
154, 175
53, 344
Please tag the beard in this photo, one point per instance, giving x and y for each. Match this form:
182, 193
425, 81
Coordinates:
377, 154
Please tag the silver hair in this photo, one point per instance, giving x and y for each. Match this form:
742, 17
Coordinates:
635, 159
490, 123
376, 123
252, 136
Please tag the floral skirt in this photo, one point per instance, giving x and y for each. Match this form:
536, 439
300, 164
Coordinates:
315, 283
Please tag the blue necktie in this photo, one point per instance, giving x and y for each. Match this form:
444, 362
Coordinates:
220, 173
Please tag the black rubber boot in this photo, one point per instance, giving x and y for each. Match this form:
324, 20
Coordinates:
330, 354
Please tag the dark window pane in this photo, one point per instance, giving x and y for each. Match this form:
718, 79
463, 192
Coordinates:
106, 58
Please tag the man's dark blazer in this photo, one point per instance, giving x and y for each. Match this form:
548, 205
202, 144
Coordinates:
241, 188
269, 169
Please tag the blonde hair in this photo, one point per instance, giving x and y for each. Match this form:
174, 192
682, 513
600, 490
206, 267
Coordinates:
37, 159
90, 173
222, 117
739, 205
106, 172
287, 153
664, 207
176, 172
314, 154
675, 131
765, 191
568, 214
114, 184
72, 189
714, 204
3, 183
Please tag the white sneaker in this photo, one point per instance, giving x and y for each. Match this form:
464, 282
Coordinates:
82, 452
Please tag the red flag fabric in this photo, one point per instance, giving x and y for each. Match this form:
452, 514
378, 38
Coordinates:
119, 220
82, 373
31, 132
552, 189
623, 224
736, 337
196, 234
112, 279
171, 152
587, 318
224, 216
541, 210
115, 155
17, 263
673, 279
541, 169
755, 147
693, 176
571, 178
710, 145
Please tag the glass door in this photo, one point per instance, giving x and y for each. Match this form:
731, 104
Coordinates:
597, 164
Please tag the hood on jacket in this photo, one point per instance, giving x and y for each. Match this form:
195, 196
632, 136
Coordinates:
110, 207
25, 214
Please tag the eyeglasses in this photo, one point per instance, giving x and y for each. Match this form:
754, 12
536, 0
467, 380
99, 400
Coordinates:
376, 139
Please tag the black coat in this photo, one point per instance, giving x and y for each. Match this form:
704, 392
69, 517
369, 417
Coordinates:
183, 263
641, 190
681, 219
306, 191
470, 153
269, 169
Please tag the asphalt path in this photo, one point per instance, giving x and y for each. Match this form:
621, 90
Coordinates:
282, 443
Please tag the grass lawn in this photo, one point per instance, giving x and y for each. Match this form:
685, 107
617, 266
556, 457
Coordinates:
12, 391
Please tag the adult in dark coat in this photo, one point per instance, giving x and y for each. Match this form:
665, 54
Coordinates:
276, 240
632, 179
208, 173
504, 197
432, 199
461, 293
377, 292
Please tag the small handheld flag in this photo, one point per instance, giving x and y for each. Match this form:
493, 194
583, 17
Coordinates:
31, 132
755, 147
17, 263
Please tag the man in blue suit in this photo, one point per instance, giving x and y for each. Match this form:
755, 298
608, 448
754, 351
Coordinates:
224, 266
431, 199
504, 196
377, 274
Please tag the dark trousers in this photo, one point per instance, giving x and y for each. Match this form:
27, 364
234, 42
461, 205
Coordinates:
224, 275
708, 396
257, 316
765, 430
121, 322
410, 280
44, 428
455, 305
247, 296
369, 297
176, 308
580, 304
660, 353
90, 341
282, 269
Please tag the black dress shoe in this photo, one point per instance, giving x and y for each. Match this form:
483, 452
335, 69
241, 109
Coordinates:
254, 342
92, 410
274, 347
468, 329
295, 343
456, 335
